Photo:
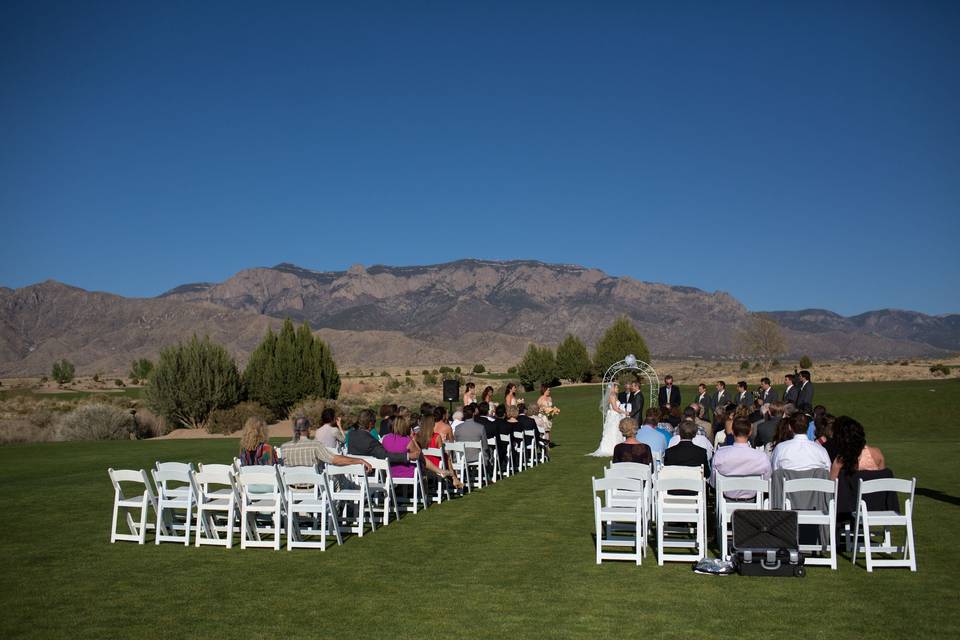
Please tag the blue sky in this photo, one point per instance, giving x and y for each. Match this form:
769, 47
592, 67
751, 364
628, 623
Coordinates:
800, 156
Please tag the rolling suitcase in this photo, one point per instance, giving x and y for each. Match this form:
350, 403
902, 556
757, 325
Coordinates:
765, 543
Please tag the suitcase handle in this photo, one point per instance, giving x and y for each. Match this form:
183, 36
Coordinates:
768, 566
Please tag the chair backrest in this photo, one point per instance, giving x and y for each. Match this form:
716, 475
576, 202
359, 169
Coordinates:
492, 442
301, 481
636, 470
742, 483
617, 484
175, 467
216, 467
475, 445
821, 485
504, 437
220, 474
680, 484
261, 475
138, 476
436, 453
679, 471
354, 470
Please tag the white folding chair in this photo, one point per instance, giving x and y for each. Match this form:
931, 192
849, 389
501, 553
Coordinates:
530, 447
383, 494
216, 495
131, 502
686, 510
641, 473
519, 450
657, 460
418, 491
260, 496
477, 470
507, 443
495, 466
826, 518
442, 486
726, 506
626, 507
351, 496
174, 494
310, 511
457, 453
865, 519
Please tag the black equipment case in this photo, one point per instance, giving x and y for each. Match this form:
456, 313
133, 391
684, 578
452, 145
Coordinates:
765, 543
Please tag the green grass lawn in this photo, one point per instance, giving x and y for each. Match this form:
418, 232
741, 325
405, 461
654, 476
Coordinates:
133, 393
515, 560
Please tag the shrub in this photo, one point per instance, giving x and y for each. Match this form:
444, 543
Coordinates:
96, 377
140, 369
429, 379
538, 365
290, 366
512, 371
407, 372
756, 365
119, 382
457, 370
445, 370
44, 379
393, 385
479, 368
384, 374
744, 365
425, 372
150, 425
940, 370
134, 381
95, 422
408, 381
806, 362
621, 339
231, 419
905, 363
775, 363
191, 380
63, 371
573, 360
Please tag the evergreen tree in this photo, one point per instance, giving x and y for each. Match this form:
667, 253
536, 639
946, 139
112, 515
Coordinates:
537, 366
63, 371
620, 340
191, 380
287, 367
573, 361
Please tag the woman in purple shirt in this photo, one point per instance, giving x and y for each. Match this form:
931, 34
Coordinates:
397, 442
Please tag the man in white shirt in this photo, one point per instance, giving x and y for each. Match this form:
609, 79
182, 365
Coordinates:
743, 396
800, 453
700, 440
457, 420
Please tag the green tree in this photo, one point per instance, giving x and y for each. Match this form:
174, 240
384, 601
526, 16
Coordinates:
140, 369
573, 360
620, 340
537, 366
806, 362
63, 371
479, 368
287, 367
191, 380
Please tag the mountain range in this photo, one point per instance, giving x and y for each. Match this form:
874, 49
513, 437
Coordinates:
458, 312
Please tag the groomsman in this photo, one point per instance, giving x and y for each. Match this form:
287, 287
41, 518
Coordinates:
805, 393
744, 399
669, 395
769, 394
790, 393
705, 400
722, 397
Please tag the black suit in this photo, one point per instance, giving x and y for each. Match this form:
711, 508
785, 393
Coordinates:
636, 404
706, 401
719, 401
687, 454
770, 395
765, 432
790, 395
805, 396
744, 399
362, 443
674, 401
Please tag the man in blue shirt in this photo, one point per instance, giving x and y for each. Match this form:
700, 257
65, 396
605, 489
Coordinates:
648, 434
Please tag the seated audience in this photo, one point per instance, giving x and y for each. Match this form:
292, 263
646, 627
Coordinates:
685, 453
766, 431
303, 451
457, 419
853, 452
818, 412
331, 433
254, 446
473, 429
387, 414
630, 450
648, 433
362, 442
823, 433
428, 438
696, 411
440, 423
740, 459
700, 440
799, 453
723, 425
664, 426
398, 441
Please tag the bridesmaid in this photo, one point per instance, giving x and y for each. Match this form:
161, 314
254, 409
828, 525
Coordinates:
510, 395
470, 395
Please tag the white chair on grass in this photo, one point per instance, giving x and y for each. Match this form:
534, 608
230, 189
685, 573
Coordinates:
507, 443
495, 466
641, 473
477, 470
417, 489
310, 512
825, 519
142, 500
457, 452
687, 510
726, 506
434, 481
520, 451
865, 519
383, 493
174, 495
351, 496
530, 447
627, 507
260, 500
217, 505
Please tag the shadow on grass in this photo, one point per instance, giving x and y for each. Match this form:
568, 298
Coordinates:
936, 494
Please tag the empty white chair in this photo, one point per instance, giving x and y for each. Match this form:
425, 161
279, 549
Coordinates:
260, 498
530, 447
865, 519
457, 453
641, 473
495, 466
726, 506
827, 520
382, 491
477, 470
689, 511
351, 497
519, 450
627, 507
216, 496
174, 494
505, 443
139, 502
310, 512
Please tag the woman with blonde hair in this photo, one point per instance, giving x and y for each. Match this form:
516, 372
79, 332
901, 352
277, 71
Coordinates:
254, 443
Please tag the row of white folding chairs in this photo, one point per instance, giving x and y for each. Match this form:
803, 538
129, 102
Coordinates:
525, 449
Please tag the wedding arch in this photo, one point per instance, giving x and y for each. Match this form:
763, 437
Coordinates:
630, 363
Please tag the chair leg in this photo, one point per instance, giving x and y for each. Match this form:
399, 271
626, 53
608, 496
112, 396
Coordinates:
867, 544
143, 524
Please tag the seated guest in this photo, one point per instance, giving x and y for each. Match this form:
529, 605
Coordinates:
304, 452
699, 413
457, 419
526, 422
853, 452
723, 432
362, 443
818, 412
331, 433
766, 431
440, 424
740, 459
663, 425
685, 453
700, 440
648, 433
495, 428
473, 429
428, 438
254, 446
387, 413
756, 412
800, 453
630, 450
398, 441
824, 434
513, 426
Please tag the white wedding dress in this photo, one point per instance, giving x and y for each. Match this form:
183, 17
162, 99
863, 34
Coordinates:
611, 436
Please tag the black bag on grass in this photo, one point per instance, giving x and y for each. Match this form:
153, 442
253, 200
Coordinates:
765, 543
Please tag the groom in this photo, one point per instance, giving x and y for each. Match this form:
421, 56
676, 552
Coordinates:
635, 398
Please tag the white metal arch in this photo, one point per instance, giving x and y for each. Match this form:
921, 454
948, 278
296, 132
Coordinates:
630, 363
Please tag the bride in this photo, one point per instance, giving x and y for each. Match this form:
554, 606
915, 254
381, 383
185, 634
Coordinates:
613, 414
